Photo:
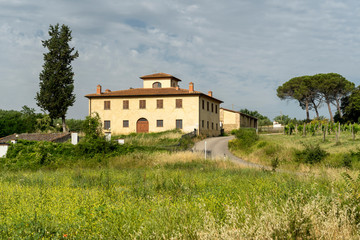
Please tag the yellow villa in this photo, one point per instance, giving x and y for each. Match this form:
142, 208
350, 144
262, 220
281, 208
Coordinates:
160, 105
234, 120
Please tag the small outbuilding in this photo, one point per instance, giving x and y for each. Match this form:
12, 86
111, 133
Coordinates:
231, 119
49, 137
3, 149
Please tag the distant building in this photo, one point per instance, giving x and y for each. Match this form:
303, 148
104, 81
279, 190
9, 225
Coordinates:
276, 125
50, 137
158, 106
234, 120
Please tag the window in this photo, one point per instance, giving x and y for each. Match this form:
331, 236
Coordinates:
159, 123
178, 103
179, 123
215, 108
107, 124
142, 104
126, 104
203, 104
207, 106
207, 124
156, 85
216, 126
159, 103
212, 107
106, 105
125, 123
202, 123
212, 125
173, 84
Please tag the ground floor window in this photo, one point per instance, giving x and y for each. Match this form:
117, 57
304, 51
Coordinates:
212, 125
216, 126
179, 124
159, 123
202, 122
107, 124
126, 123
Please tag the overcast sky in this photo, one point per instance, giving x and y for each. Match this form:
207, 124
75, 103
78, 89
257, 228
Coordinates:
242, 50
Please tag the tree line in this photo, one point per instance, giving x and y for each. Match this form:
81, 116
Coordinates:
312, 92
27, 121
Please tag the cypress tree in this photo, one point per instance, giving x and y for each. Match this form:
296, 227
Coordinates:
56, 78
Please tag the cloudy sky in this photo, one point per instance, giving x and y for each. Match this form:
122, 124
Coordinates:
242, 50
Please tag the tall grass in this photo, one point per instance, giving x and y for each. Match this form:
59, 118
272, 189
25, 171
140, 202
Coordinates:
159, 197
288, 148
165, 138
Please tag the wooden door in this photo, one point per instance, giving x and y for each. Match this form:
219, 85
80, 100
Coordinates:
142, 125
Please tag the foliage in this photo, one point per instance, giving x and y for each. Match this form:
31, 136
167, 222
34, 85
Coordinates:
310, 91
92, 127
302, 89
350, 106
37, 155
56, 78
262, 120
73, 125
352, 200
245, 139
311, 154
247, 136
274, 163
18, 122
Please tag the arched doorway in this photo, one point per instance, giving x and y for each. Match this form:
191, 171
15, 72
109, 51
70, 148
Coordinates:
142, 125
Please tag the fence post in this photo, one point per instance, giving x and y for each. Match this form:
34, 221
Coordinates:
205, 150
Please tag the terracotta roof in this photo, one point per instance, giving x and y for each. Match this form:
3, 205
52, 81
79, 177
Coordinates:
238, 112
50, 137
159, 75
148, 92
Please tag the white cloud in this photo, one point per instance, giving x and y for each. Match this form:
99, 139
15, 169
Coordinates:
242, 50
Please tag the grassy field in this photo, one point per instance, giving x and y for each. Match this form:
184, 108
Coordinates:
144, 193
174, 196
284, 148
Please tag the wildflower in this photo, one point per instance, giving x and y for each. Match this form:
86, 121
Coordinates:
65, 235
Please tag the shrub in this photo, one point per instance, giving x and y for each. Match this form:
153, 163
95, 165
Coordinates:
92, 127
300, 128
247, 136
274, 163
347, 161
311, 154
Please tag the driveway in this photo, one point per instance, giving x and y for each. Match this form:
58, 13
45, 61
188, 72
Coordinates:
217, 147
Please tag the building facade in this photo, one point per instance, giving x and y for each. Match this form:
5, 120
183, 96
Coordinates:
234, 120
160, 105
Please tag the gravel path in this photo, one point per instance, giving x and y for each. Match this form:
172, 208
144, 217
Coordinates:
217, 147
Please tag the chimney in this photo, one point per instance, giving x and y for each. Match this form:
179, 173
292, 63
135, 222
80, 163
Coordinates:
107, 91
191, 87
177, 88
210, 93
98, 89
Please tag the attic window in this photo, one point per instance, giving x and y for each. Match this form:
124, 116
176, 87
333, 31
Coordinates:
156, 85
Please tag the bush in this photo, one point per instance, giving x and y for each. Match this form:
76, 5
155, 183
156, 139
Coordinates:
347, 161
247, 136
311, 154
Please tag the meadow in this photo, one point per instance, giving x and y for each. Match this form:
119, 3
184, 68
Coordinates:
157, 194
287, 149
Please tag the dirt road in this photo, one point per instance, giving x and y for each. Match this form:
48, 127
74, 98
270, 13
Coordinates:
217, 147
